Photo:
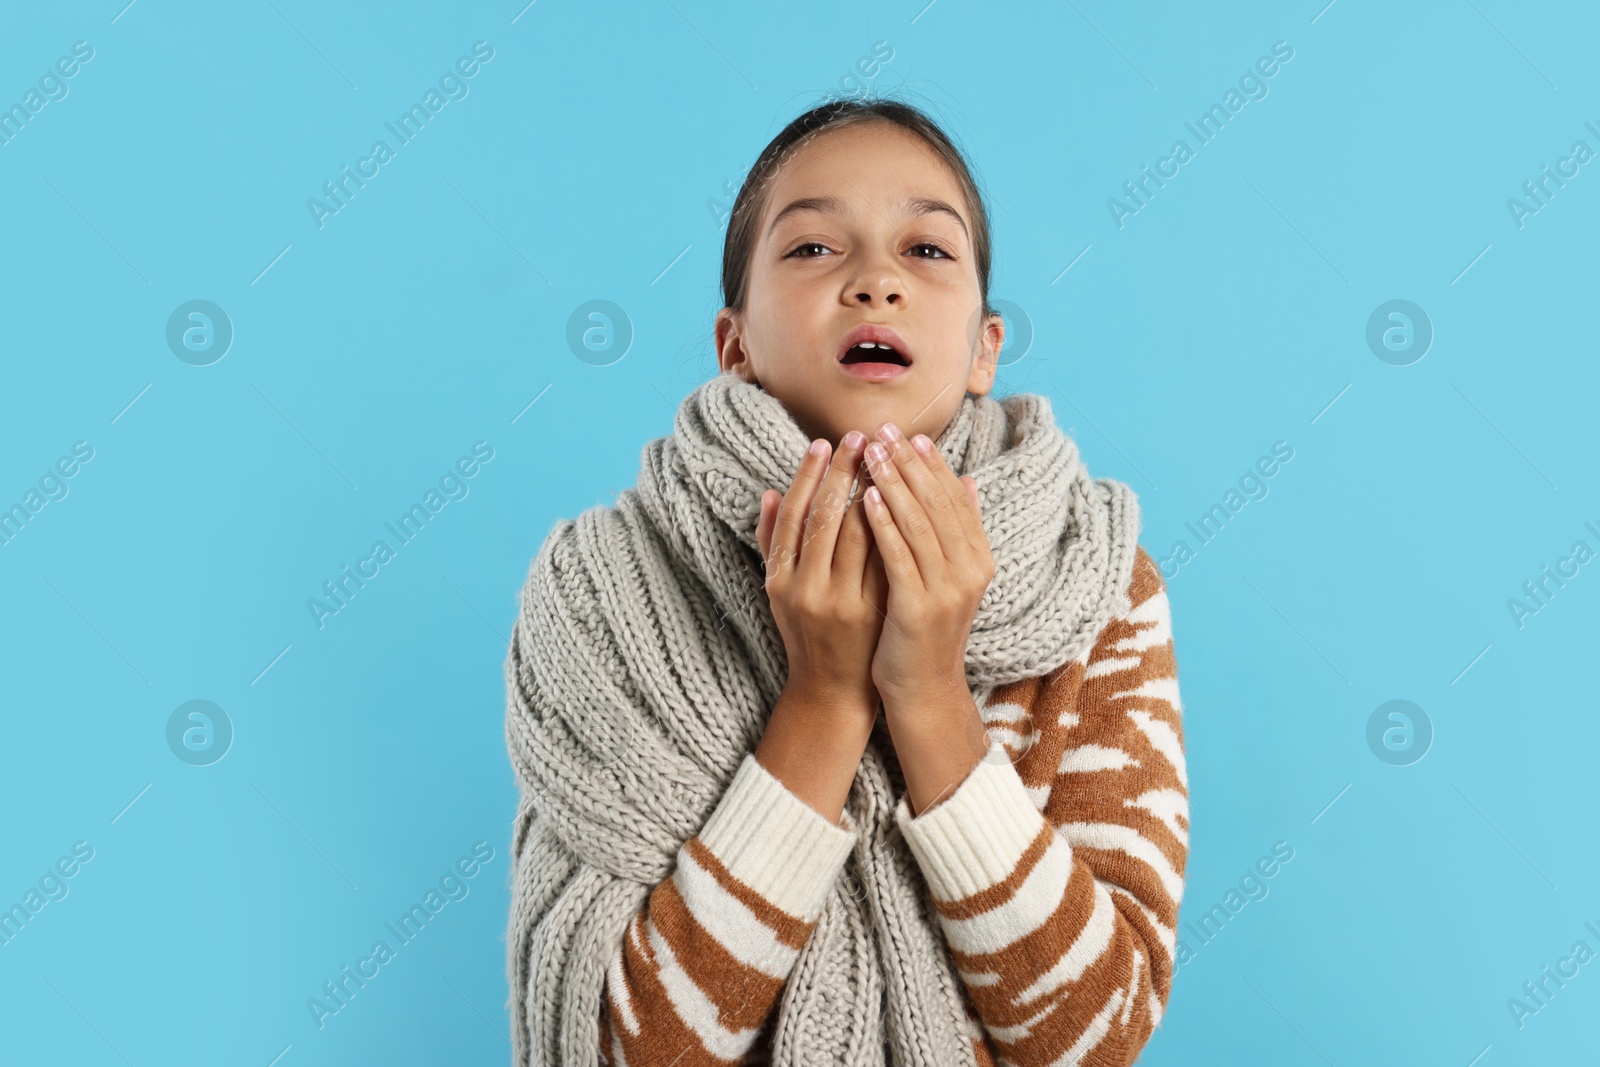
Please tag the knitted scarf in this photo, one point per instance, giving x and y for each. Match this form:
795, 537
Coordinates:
644, 667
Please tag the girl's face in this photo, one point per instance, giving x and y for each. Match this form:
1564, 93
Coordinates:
863, 225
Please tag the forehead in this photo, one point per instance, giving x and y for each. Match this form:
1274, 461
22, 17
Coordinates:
869, 167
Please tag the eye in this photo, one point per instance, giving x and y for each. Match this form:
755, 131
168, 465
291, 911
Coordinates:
808, 244
936, 248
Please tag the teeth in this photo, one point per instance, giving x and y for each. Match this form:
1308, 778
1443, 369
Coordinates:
894, 355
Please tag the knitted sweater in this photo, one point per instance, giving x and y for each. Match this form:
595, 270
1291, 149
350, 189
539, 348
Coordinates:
1055, 868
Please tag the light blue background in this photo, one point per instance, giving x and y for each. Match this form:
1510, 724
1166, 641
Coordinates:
585, 163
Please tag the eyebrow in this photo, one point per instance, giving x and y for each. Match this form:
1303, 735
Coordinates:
833, 205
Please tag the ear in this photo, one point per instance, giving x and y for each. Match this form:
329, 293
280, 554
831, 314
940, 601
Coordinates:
986, 360
729, 342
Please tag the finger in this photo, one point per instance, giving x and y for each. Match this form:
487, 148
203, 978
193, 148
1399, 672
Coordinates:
764, 523
915, 526
937, 490
971, 517
875, 580
855, 542
793, 508
829, 506
899, 561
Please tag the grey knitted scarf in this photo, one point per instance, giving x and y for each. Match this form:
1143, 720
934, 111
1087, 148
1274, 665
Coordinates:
644, 667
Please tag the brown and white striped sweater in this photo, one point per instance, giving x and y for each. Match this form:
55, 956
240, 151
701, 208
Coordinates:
1056, 870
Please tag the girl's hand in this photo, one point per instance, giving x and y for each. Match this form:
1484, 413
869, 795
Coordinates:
926, 524
824, 578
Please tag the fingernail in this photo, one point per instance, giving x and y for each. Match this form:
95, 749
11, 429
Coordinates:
877, 453
818, 447
922, 444
890, 432
853, 439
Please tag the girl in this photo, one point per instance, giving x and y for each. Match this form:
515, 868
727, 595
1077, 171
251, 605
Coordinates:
817, 775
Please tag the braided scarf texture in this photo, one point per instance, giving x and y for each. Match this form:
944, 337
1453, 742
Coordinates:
643, 668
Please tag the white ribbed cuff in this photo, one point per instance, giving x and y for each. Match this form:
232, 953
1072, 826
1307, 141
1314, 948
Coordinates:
974, 838
776, 843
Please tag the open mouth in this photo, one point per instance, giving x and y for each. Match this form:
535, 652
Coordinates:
874, 352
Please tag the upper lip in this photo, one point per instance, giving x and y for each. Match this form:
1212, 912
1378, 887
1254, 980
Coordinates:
870, 331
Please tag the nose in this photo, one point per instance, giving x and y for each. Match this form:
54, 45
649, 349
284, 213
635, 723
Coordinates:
889, 296
878, 282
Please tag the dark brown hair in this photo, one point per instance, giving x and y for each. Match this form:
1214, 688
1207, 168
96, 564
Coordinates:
738, 243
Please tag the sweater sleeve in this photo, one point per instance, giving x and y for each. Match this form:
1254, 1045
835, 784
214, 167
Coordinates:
701, 967
1062, 921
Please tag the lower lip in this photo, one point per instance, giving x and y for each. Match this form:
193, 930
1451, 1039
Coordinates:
874, 372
